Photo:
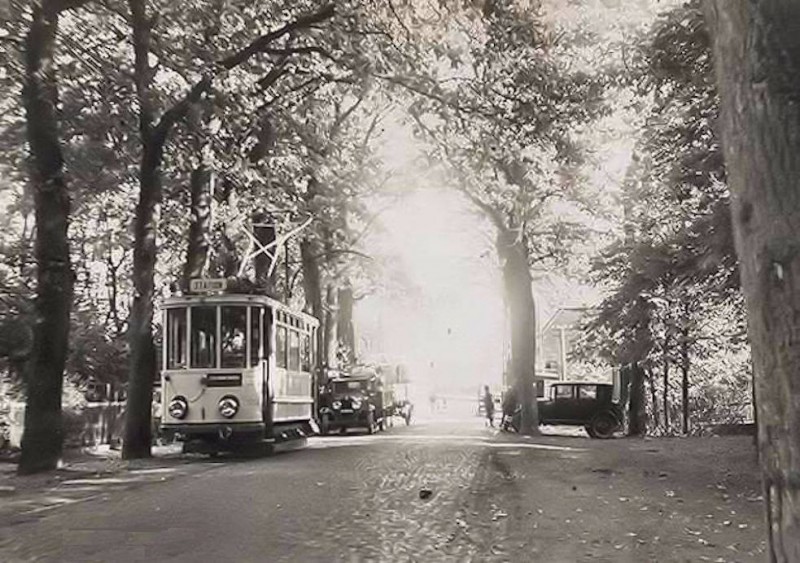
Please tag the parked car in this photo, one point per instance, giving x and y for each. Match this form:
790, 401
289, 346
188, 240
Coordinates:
356, 401
590, 405
584, 404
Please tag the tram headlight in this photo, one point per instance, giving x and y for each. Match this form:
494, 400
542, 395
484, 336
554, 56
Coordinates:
356, 404
178, 408
336, 405
228, 406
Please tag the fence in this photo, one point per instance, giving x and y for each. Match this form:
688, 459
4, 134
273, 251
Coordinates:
93, 424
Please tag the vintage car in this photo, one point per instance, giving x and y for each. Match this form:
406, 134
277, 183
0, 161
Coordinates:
590, 405
355, 401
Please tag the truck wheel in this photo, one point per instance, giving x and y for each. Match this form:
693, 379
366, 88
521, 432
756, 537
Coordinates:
604, 425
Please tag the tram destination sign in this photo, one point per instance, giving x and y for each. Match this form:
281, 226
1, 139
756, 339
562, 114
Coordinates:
208, 285
223, 380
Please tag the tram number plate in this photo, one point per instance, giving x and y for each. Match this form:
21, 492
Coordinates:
224, 380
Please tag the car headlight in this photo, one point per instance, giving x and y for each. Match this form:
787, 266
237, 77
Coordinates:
336, 405
228, 406
356, 404
178, 408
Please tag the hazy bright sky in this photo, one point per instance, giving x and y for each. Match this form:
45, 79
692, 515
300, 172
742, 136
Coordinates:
451, 333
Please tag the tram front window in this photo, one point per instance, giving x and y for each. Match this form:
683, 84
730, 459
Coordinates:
234, 337
255, 334
176, 338
305, 353
204, 337
294, 350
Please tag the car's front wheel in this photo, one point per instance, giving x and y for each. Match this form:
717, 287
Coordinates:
603, 426
325, 425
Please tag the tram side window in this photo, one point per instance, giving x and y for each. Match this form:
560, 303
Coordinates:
314, 350
294, 350
176, 338
234, 336
280, 347
305, 353
204, 337
255, 334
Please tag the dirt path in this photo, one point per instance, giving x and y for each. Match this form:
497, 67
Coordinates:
694, 499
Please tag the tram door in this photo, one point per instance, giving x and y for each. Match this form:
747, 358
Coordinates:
266, 365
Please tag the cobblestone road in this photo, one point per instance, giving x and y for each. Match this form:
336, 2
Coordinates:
437, 491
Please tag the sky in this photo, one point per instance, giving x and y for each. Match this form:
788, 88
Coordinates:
450, 331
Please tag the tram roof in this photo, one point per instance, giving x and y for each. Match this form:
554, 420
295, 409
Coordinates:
235, 299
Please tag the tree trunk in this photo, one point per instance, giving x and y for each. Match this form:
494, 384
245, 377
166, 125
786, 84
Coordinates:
331, 310
200, 225
685, 378
143, 369
637, 425
344, 325
312, 286
312, 289
43, 435
138, 409
757, 51
519, 299
653, 396
665, 390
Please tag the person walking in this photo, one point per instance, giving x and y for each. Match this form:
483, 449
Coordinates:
488, 405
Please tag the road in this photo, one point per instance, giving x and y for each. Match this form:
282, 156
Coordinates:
488, 496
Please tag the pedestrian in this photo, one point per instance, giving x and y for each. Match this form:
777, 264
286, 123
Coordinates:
488, 405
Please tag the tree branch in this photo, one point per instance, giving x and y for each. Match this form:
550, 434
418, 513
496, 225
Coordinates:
262, 43
259, 45
64, 5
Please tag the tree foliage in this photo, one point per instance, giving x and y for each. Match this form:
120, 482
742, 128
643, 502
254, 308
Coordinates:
674, 299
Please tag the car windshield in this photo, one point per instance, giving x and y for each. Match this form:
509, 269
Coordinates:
348, 386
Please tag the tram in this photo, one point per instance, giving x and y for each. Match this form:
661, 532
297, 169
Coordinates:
237, 370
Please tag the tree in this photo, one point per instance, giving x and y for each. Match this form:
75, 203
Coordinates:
502, 126
757, 58
43, 437
154, 134
673, 273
